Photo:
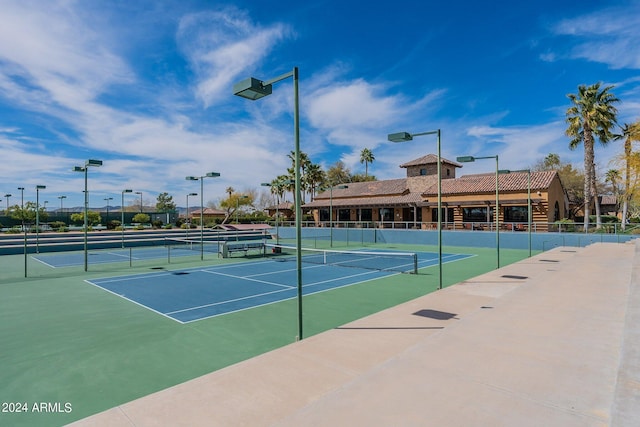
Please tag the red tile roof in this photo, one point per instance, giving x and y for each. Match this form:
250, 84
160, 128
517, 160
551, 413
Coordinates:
486, 183
412, 191
427, 160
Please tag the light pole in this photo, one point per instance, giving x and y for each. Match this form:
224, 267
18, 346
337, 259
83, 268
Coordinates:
331, 212
140, 193
189, 219
529, 207
406, 136
38, 188
85, 169
122, 212
201, 179
469, 159
107, 200
61, 198
24, 230
254, 89
7, 196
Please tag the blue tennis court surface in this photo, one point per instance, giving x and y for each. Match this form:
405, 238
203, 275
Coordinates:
109, 256
193, 294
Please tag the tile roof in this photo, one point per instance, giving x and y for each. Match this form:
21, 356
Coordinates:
486, 183
397, 191
406, 199
608, 199
427, 160
389, 187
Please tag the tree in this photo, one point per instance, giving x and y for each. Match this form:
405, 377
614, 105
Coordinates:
315, 177
630, 133
234, 202
613, 176
572, 179
165, 203
305, 162
366, 157
551, 162
591, 116
28, 214
338, 174
93, 218
141, 218
362, 178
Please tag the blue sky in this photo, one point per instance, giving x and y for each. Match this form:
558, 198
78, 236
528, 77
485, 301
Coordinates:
146, 86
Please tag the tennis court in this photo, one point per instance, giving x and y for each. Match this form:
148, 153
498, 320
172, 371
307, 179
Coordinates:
97, 349
188, 295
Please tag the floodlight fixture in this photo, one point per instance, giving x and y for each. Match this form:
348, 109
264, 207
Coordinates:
254, 89
85, 169
404, 137
201, 179
470, 159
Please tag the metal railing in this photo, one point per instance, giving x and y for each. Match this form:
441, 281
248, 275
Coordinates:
506, 226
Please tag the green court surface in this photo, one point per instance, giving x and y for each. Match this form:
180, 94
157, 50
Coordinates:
69, 349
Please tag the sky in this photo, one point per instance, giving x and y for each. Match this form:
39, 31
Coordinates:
146, 87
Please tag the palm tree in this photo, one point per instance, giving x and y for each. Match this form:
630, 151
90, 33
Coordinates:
592, 115
314, 178
229, 191
304, 164
630, 133
366, 157
613, 177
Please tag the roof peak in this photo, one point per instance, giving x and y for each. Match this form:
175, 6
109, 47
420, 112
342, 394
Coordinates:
427, 160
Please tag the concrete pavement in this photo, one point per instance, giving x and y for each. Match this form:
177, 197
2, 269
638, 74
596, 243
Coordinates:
553, 340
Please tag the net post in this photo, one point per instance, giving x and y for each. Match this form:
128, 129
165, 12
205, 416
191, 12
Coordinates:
415, 263
130, 257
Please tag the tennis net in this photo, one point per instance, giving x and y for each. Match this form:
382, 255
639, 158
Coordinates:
193, 244
403, 262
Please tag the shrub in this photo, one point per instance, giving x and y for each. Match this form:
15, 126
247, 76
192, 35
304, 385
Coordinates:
566, 225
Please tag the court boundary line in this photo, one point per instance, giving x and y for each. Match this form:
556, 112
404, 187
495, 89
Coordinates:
133, 301
385, 274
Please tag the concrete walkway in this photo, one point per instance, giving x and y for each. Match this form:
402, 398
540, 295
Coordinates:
550, 341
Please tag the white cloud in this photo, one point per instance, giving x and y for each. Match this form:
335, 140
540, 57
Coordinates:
608, 36
222, 44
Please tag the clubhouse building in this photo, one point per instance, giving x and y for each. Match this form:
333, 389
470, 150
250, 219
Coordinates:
468, 202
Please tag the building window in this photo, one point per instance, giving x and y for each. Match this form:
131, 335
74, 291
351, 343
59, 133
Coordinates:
478, 214
366, 215
447, 215
516, 214
344, 215
386, 214
324, 214
423, 172
556, 212
448, 172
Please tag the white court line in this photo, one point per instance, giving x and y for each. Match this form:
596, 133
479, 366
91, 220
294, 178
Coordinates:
134, 301
272, 292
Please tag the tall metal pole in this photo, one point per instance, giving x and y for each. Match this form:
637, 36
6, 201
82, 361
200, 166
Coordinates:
37, 218
331, 216
24, 229
296, 126
86, 219
439, 213
497, 214
201, 218
122, 217
529, 207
